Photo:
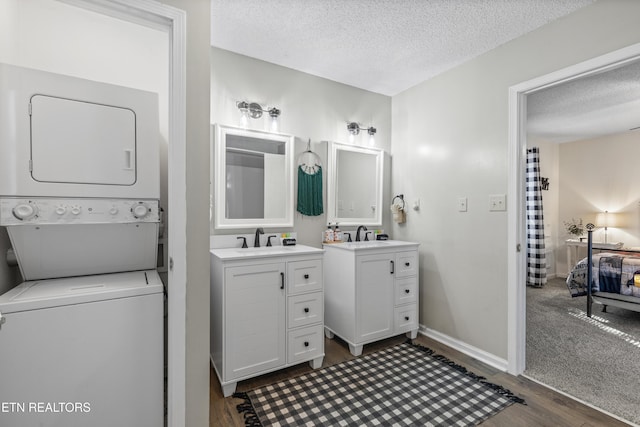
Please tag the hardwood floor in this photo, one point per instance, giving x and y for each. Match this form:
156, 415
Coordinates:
544, 406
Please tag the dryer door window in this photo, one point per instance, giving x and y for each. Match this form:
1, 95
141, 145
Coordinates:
82, 142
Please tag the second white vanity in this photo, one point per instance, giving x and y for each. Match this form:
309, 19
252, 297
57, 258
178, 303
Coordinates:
266, 311
371, 291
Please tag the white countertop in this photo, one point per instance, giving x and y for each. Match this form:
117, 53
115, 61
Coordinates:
370, 245
263, 252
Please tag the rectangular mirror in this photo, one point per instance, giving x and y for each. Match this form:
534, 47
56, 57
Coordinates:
354, 195
252, 178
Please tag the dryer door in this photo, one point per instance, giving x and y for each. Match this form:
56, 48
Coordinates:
78, 142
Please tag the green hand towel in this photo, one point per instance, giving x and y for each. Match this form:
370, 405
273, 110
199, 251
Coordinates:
310, 192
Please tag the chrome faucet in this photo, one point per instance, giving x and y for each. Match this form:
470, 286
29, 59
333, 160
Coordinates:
256, 242
362, 227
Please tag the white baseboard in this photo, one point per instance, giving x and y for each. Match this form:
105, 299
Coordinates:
469, 350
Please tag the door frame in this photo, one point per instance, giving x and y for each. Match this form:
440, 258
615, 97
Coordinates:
516, 239
172, 20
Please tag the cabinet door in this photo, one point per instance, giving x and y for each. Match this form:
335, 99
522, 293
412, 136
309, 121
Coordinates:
374, 296
255, 319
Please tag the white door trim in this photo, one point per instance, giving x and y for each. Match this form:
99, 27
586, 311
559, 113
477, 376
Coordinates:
160, 16
516, 332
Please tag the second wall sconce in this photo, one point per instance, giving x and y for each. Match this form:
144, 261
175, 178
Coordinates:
254, 110
354, 129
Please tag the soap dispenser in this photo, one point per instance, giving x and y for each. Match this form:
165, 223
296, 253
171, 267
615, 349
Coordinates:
328, 235
337, 234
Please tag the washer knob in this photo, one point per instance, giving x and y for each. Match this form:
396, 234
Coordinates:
140, 211
25, 211
60, 210
76, 210
113, 210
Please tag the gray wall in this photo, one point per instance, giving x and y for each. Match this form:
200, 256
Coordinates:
450, 134
312, 107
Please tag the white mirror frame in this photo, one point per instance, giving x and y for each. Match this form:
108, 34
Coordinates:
332, 206
218, 179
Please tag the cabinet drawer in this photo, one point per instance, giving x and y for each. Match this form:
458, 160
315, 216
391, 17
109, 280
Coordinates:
305, 344
305, 309
406, 264
304, 276
405, 318
406, 290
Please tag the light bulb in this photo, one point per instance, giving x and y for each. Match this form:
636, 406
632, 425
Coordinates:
274, 124
244, 119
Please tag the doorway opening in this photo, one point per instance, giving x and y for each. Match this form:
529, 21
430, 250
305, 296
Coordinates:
517, 300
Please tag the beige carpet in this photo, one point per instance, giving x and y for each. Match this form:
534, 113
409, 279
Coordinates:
595, 359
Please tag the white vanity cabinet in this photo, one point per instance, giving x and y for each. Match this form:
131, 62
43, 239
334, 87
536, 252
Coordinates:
371, 291
267, 311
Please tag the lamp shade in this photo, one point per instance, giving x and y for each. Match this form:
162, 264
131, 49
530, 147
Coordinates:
608, 219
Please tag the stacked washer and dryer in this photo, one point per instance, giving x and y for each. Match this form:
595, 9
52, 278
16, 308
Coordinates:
81, 340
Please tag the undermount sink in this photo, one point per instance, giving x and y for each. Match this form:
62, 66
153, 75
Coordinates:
371, 245
264, 249
366, 244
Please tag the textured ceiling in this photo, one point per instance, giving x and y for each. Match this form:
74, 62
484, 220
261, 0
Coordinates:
588, 107
385, 46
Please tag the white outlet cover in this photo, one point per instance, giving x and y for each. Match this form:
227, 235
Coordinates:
497, 202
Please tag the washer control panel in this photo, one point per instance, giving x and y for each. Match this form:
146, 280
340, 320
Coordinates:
17, 211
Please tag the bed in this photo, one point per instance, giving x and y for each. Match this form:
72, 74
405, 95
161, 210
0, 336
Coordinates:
615, 279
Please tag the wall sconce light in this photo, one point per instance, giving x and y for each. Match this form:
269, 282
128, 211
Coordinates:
254, 110
354, 129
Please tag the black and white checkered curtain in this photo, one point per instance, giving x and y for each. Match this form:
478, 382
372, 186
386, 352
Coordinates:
536, 261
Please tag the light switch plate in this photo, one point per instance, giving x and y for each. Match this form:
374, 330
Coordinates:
497, 202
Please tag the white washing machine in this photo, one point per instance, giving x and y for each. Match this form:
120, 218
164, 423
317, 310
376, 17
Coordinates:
79, 348
83, 351
81, 340
76, 237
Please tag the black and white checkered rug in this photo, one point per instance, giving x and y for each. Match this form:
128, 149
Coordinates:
403, 385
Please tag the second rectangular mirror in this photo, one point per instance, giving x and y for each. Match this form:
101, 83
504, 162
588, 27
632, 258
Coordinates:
354, 185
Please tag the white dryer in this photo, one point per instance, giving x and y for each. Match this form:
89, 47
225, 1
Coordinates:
64, 136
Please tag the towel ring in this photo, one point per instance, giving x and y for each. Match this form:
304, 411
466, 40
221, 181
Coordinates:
401, 197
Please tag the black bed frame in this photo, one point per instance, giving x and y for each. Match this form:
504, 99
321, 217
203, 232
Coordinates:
604, 298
